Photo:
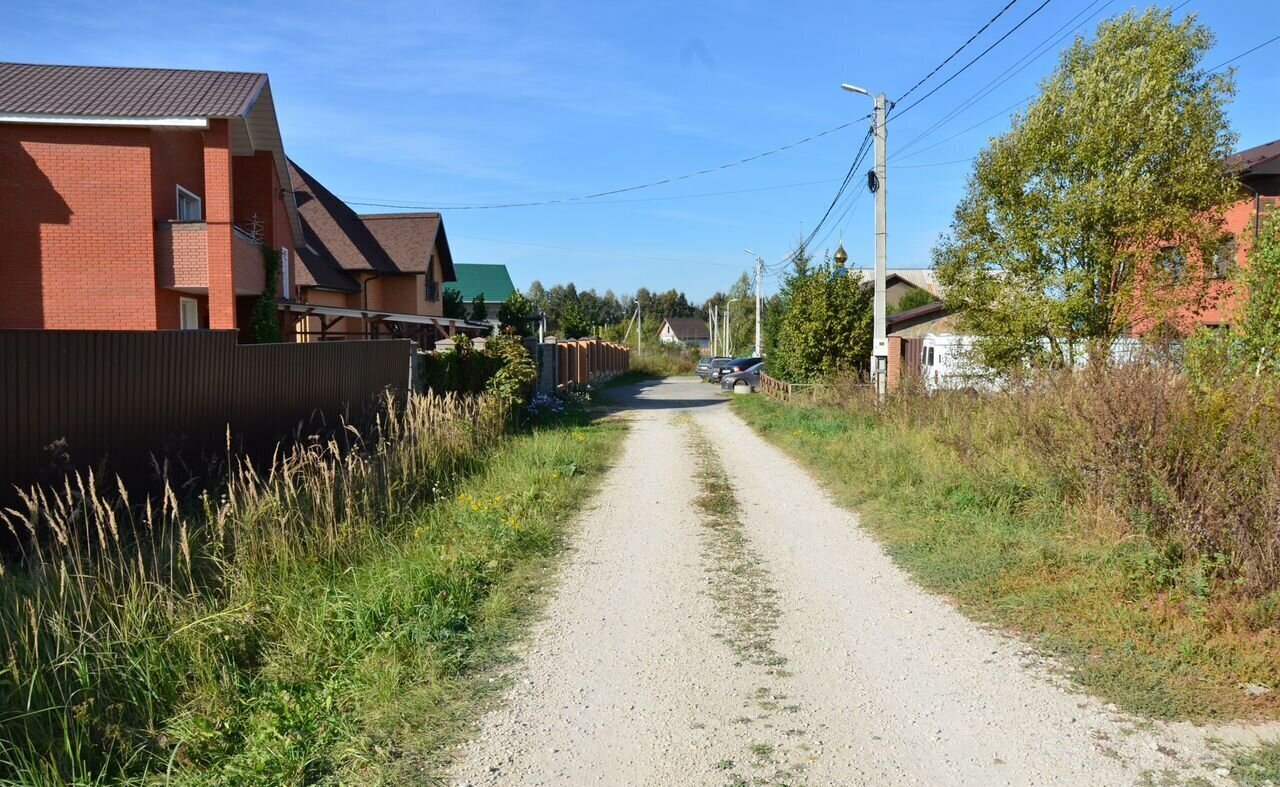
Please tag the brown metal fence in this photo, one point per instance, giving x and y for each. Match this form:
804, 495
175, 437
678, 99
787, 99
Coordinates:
72, 399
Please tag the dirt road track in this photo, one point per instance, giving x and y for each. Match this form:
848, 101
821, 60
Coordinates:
632, 675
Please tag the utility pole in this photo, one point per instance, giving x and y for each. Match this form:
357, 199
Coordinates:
711, 314
639, 329
879, 341
758, 350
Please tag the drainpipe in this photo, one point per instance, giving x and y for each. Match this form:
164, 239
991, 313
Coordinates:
364, 292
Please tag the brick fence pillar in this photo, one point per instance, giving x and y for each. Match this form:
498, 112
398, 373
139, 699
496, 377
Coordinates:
894, 376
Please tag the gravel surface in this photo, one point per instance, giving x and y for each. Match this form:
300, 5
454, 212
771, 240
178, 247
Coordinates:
634, 674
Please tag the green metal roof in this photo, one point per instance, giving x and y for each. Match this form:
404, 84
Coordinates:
492, 281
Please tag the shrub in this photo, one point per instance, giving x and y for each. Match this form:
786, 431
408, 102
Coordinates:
1141, 448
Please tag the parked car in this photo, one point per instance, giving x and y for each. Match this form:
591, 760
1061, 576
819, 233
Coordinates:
736, 365
715, 368
749, 377
706, 364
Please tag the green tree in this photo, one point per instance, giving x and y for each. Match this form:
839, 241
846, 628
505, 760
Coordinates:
912, 299
824, 325
1124, 147
478, 311
573, 323
453, 305
515, 313
537, 296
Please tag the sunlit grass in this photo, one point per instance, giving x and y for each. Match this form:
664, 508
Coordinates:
319, 620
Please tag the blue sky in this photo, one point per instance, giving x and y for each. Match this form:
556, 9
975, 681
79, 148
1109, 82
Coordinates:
452, 103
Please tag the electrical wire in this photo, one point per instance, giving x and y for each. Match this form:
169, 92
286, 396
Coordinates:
685, 260
966, 66
1242, 54
951, 56
778, 187
1035, 53
624, 190
858, 158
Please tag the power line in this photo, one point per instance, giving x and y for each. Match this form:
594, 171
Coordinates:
944, 140
935, 164
611, 192
1242, 54
685, 260
966, 66
780, 186
1035, 53
938, 67
858, 158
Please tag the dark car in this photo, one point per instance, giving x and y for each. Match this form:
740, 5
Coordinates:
706, 364
714, 368
736, 365
748, 378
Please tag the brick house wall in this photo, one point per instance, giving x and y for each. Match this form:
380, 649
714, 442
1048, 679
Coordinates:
88, 217
76, 215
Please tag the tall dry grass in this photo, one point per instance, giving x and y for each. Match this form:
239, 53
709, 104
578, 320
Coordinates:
121, 609
1141, 447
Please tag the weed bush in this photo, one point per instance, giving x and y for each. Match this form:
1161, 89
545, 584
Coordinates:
665, 361
1140, 446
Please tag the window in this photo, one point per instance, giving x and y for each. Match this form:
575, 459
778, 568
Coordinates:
189, 208
286, 273
431, 289
1173, 261
1224, 259
189, 314
928, 356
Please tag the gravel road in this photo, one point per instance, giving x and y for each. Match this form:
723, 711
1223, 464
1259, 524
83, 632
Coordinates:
777, 644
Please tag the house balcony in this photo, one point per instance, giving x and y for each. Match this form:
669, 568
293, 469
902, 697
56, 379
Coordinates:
182, 259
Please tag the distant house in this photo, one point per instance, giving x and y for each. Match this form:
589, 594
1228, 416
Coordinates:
369, 276
139, 198
491, 281
900, 281
689, 331
1258, 171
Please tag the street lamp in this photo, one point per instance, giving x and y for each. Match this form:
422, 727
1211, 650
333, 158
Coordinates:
879, 341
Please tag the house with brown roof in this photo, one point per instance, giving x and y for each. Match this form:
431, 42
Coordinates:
1257, 171
371, 275
689, 331
139, 198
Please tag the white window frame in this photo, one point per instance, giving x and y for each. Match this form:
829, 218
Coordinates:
183, 305
179, 194
285, 273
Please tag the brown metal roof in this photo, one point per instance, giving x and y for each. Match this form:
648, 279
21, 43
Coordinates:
102, 91
688, 329
408, 238
340, 242
1260, 160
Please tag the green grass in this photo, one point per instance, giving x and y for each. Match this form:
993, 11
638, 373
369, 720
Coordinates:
331, 625
1258, 767
992, 532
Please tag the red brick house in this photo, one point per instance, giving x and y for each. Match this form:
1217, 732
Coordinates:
139, 198
1259, 173
1192, 304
